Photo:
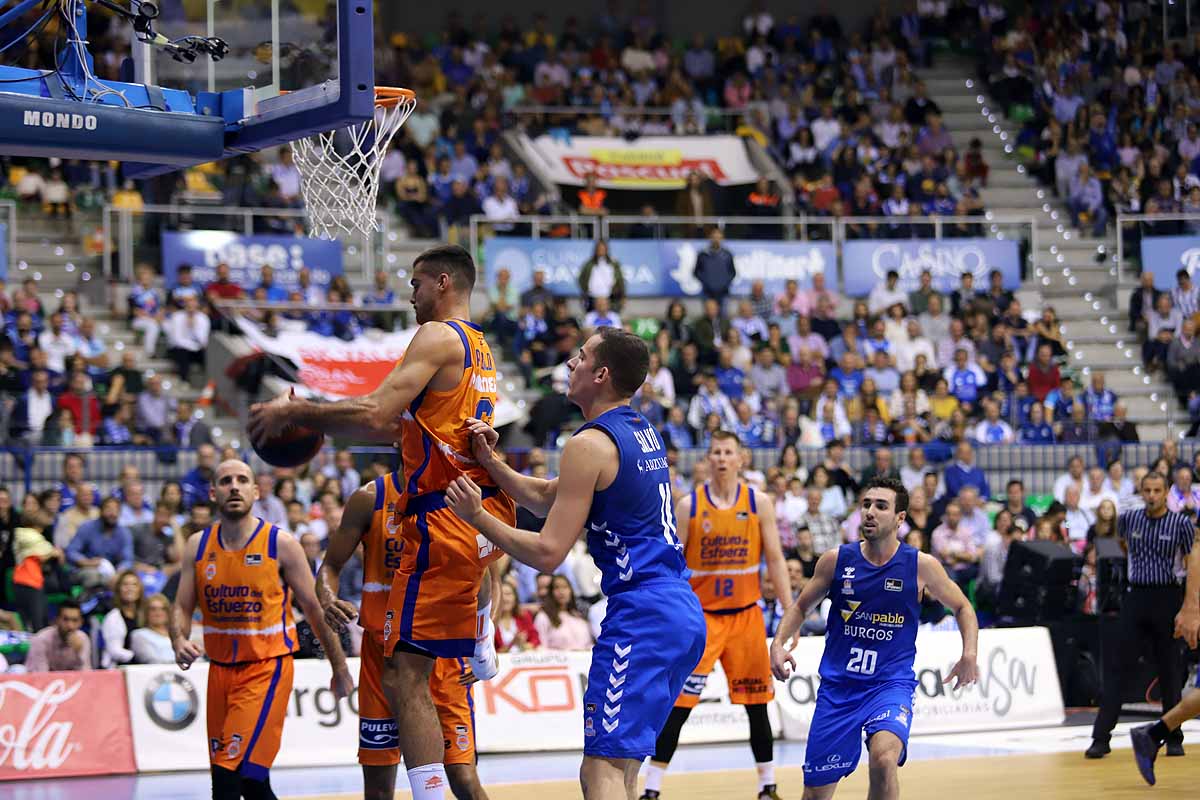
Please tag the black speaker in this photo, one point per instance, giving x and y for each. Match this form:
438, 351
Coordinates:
1038, 582
1110, 575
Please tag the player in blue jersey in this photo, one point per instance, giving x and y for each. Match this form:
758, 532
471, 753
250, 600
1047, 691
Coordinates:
867, 678
614, 483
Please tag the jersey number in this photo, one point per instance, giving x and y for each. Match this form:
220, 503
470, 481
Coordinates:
862, 661
724, 587
667, 515
485, 410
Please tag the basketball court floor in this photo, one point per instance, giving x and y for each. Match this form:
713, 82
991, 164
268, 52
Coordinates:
1037, 764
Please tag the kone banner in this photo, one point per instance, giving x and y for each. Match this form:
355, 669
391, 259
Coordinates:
657, 268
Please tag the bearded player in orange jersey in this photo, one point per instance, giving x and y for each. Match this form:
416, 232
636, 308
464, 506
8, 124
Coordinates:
447, 376
244, 573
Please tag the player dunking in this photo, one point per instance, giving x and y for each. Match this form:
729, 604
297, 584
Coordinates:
727, 530
447, 375
372, 518
245, 573
867, 679
615, 483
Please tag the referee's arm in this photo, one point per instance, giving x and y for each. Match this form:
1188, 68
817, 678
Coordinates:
1187, 621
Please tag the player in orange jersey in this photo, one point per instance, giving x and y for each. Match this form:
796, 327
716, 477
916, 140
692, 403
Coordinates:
244, 573
372, 518
728, 529
447, 376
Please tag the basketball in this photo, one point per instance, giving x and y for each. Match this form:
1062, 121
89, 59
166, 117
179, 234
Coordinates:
293, 447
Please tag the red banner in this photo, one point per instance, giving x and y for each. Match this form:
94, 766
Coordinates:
61, 724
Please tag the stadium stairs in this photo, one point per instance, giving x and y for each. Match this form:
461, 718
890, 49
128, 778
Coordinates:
1075, 275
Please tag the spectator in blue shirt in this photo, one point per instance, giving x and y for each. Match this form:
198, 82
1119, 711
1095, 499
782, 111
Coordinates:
1086, 197
275, 293
963, 472
1100, 401
966, 379
753, 429
1036, 430
198, 481
848, 376
115, 429
381, 294
101, 547
730, 379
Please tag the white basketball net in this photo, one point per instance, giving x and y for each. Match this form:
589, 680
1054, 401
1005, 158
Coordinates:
339, 171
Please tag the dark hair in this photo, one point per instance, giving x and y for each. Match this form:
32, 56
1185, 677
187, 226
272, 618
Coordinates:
892, 485
550, 605
626, 356
1154, 475
63, 605
1015, 482
112, 498
451, 259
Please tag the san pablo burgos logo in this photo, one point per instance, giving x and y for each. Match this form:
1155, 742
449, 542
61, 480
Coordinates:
171, 701
61, 120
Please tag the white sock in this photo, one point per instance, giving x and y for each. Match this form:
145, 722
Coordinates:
766, 773
485, 663
428, 782
654, 777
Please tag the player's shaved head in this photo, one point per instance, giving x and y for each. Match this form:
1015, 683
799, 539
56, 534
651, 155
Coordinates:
233, 489
234, 465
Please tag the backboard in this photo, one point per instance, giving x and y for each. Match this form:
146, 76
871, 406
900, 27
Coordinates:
292, 68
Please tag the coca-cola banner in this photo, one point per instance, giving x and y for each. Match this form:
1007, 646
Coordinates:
649, 162
62, 724
1017, 687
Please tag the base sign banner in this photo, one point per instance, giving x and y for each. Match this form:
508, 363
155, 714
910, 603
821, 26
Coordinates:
246, 255
1166, 255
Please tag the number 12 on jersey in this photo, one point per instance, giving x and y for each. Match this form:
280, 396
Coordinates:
862, 661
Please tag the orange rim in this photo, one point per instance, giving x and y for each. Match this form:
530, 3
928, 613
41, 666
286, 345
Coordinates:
388, 96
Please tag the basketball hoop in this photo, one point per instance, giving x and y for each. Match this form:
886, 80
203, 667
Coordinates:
339, 169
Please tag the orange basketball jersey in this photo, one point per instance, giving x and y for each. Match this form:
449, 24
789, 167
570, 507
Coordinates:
245, 605
436, 447
724, 548
382, 546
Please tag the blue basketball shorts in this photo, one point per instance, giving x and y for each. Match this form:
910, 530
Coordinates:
651, 639
841, 718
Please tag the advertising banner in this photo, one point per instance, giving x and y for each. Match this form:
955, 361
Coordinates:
866, 262
1017, 688
246, 255
1166, 255
649, 162
61, 724
334, 369
657, 268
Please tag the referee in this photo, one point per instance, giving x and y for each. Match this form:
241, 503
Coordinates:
1157, 542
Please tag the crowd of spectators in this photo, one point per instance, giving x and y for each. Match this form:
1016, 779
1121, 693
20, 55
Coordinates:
1108, 110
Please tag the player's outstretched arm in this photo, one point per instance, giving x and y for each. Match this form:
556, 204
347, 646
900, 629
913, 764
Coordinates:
356, 519
376, 416
535, 494
296, 573
813, 592
180, 621
932, 575
773, 551
1187, 621
579, 471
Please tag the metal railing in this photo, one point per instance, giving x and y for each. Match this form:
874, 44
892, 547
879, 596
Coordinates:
8, 216
124, 231
790, 227
39, 468
710, 117
1125, 221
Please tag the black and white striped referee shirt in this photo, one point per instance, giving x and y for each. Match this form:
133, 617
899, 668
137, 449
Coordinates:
1157, 548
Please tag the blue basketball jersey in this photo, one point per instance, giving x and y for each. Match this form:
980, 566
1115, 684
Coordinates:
871, 636
631, 526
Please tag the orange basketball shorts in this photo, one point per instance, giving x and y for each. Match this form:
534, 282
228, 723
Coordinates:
247, 704
378, 744
431, 607
738, 640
